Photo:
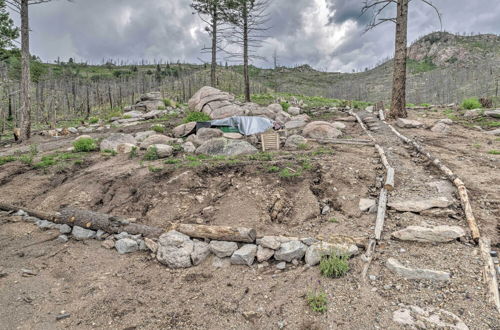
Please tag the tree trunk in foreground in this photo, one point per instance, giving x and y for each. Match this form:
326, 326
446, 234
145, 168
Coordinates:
25, 111
245, 53
398, 104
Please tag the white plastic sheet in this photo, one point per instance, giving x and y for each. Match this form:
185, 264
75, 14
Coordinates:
245, 124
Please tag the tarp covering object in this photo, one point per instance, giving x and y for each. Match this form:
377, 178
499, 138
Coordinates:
245, 124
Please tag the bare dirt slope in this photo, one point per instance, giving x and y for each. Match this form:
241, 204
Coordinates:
102, 289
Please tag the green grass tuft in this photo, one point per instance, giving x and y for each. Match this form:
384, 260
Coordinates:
196, 117
494, 152
85, 145
334, 266
7, 159
471, 103
151, 154
317, 301
158, 128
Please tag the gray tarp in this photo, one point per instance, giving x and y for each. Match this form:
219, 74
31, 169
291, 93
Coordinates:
245, 124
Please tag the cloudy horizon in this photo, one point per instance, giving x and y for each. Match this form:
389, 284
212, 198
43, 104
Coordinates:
326, 34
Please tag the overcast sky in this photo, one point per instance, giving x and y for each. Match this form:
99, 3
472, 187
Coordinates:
326, 34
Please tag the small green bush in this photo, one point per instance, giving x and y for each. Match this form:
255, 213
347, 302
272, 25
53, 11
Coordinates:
153, 169
133, 153
161, 107
471, 103
285, 106
151, 154
425, 105
127, 116
85, 145
196, 117
26, 159
158, 128
109, 152
302, 146
317, 301
333, 220
334, 265
93, 120
46, 161
494, 152
172, 161
288, 173
167, 102
273, 169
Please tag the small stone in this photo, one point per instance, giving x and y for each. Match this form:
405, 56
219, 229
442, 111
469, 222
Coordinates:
189, 147
325, 210
290, 250
407, 123
244, 255
264, 254
126, 245
44, 224
222, 248
309, 241
64, 229
108, 244
281, 265
100, 235
62, 238
365, 204
220, 262
372, 277
151, 245
31, 219
81, 234
201, 251
20, 213
270, 242
419, 205
174, 250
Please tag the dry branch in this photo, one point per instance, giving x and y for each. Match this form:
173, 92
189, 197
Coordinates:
220, 233
490, 275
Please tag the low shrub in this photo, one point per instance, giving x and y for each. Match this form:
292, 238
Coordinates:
334, 265
317, 301
471, 103
93, 120
7, 159
285, 106
494, 152
85, 145
196, 117
151, 154
158, 128
167, 102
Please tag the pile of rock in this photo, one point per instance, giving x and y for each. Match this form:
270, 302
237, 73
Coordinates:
176, 250
123, 242
148, 102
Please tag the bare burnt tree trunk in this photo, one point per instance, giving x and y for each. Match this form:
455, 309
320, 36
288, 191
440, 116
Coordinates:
88, 104
398, 104
25, 110
245, 53
213, 67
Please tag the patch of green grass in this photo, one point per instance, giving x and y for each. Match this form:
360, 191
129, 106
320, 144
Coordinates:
285, 105
161, 107
360, 104
317, 301
7, 159
153, 169
172, 161
133, 153
261, 156
109, 152
333, 220
424, 65
273, 169
494, 152
334, 266
425, 105
476, 145
289, 173
167, 102
93, 120
323, 151
85, 145
46, 161
158, 128
302, 146
410, 105
151, 154
127, 116
471, 103
194, 163
196, 117
306, 165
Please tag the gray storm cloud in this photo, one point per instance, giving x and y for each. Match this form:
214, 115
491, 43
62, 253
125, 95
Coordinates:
327, 34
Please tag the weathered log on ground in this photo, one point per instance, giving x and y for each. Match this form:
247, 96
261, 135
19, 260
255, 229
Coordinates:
33, 213
389, 181
105, 222
340, 141
382, 205
368, 258
219, 233
490, 275
462, 190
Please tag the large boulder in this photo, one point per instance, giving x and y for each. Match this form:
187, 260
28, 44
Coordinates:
156, 139
244, 255
141, 136
220, 111
208, 133
275, 107
184, 129
294, 111
162, 150
114, 140
261, 112
151, 96
175, 249
224, 147
321, 130
133, 114
208, 95
493, 113
408, 123
147, 106
295, 141
295, 124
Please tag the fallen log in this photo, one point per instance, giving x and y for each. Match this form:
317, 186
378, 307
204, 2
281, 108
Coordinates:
368, 258
382, 205
381, 115
340, 141
219, 233
389, 181
490, 275
115, 225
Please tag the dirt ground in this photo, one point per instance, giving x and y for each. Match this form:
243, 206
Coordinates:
99, 288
